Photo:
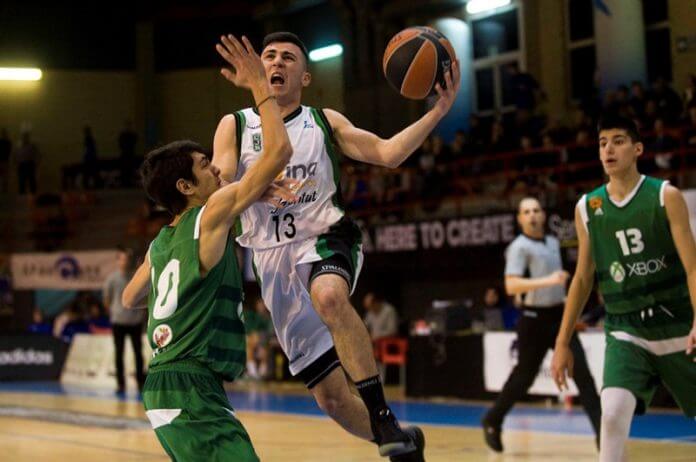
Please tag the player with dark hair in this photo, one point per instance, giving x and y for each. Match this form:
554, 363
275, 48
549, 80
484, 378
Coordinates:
634, 236
195, 286
308, 254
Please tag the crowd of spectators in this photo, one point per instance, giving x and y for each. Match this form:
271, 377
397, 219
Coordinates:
527, 151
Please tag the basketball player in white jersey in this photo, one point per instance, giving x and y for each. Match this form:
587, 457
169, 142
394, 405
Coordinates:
307, 254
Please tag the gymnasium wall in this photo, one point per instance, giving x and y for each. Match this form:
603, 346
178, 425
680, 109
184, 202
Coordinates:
58, 106
190, 104
682, 19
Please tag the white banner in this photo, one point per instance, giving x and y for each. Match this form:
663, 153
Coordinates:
91, 362
500, 356
62, 270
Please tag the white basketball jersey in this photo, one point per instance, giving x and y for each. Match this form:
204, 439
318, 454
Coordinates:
314, 163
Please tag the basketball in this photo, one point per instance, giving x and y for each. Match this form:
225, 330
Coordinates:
416, 59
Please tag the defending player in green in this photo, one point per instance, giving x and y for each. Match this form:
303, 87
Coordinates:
195, 326
634, 234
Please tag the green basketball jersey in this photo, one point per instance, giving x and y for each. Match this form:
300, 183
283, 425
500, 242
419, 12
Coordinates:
636, 262
194, 317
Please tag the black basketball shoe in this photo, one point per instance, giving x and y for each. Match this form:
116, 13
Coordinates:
389, 436
491, 434
416, 435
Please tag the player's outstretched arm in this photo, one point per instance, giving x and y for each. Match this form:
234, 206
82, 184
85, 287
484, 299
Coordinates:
365, 146
228, 202
678, 216
518, 285
137, 288
580, 288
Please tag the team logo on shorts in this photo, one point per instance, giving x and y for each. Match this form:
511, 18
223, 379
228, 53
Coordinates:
617, 272
256, 140
162, 335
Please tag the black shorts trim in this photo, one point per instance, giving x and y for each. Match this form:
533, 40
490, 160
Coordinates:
339, 248
335, 264
320, 368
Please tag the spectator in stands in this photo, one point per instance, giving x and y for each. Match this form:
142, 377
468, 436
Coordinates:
355, 190
499, 141
72, 321
689, 130
260, 336
524, 88
637, 99
377, 185
127, 141
90, 161
39, 325
380, 318
492, 311
663, 146
669, 105
557, 131
457, 147
124, 322
27, 157
5, 151
690, 92
98, 320
478, 135
430, 173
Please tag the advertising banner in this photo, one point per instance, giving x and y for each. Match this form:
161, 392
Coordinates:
62, 270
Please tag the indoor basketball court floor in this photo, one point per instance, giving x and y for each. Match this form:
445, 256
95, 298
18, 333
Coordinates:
48, 422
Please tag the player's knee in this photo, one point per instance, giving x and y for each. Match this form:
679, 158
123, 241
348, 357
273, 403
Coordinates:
328, 301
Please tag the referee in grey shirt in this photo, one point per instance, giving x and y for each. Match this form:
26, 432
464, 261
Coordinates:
533, 267
124, 322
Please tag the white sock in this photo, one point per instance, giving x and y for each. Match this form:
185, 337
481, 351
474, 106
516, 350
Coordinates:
618, 406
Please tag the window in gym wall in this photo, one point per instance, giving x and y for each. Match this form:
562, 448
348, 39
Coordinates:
658, 44
580, 20
580, 39
498, 40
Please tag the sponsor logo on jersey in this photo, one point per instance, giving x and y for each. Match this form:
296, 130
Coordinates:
596, 205
645, 268
256, 140
253, 127
617, 272
162, 335
307, 124
301, 171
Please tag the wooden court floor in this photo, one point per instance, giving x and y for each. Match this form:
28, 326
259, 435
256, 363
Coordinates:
280, 437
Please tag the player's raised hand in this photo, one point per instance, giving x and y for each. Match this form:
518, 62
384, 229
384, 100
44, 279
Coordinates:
281, 192
248, 71
562, 366
449, 94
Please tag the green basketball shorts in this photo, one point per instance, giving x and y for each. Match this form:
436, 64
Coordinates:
191, 416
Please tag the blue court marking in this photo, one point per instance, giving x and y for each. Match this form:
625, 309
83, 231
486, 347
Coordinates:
666, 426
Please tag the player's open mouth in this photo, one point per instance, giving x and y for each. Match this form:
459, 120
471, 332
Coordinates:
277, 79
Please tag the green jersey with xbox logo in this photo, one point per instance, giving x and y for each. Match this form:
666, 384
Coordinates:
194, 317
636, 261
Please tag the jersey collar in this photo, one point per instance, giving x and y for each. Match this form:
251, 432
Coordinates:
288, 117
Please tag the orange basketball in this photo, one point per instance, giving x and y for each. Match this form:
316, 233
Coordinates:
416, 59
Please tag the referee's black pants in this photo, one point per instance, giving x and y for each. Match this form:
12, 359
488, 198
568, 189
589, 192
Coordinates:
135, 332
536, 333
